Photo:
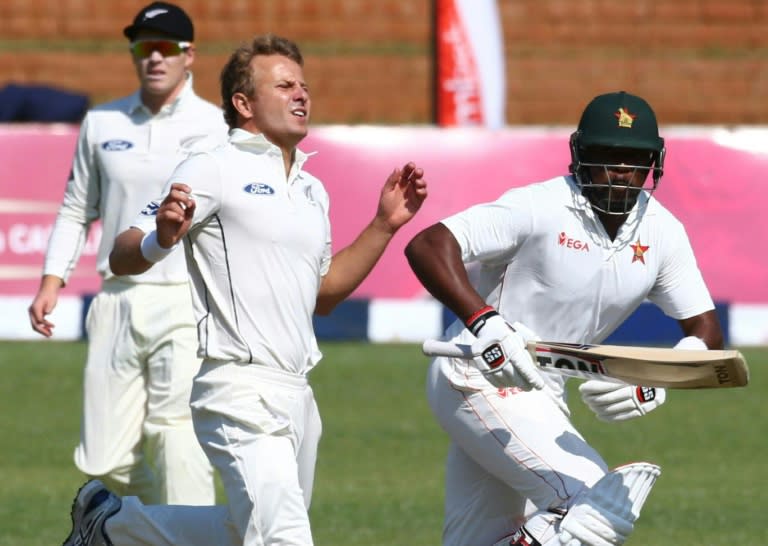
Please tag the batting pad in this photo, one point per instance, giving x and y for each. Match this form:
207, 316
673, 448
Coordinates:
606, 513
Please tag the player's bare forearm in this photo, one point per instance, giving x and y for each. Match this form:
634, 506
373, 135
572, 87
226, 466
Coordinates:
435, 257
705, 326
400, 199
351, 265
126, 257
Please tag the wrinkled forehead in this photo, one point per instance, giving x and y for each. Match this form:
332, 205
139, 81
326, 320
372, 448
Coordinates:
610, 155
274, 68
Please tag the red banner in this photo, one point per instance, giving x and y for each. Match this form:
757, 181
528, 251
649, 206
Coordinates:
469, 47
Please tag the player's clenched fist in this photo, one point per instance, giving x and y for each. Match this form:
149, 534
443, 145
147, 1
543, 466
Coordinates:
175, 215
501, 353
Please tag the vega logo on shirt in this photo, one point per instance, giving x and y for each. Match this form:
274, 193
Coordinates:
257, 188
569, 242
116, 145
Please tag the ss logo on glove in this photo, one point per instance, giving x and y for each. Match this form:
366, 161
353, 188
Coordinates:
645, 394
501, 355
494, 356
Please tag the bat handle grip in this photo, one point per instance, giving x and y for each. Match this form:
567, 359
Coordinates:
435, 347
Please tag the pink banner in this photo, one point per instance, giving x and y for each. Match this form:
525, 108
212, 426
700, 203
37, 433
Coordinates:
35, 161
713, 183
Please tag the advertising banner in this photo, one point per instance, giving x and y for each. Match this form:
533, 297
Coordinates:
713, 182
471, 82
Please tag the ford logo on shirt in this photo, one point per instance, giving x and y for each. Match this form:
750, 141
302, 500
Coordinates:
259, 189
151, 209
116, 145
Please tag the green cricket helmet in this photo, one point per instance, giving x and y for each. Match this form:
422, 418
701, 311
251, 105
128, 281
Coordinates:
624, 123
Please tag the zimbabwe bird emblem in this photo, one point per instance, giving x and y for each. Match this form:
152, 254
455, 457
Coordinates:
626, 119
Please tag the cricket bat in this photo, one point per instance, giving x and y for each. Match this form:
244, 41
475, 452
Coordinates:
648, 366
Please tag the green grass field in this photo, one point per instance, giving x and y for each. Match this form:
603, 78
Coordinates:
380, 470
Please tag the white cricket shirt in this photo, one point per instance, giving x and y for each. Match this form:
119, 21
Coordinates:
257, 249
123, 158
546, 260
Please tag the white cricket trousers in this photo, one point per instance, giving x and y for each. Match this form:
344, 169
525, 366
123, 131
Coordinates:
260, 427
511, 453
136, 431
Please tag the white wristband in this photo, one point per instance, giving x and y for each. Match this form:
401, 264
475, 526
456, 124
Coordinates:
151, 249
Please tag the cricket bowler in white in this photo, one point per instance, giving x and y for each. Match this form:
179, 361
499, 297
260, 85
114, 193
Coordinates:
568, 259
136, 431
257, 237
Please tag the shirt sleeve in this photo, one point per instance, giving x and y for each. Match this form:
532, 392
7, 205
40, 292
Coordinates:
679, 289
492, 232
79, 208
325, 263
320, 195
199, 172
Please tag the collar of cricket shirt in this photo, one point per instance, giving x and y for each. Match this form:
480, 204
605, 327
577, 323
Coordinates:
628, 228
257, 142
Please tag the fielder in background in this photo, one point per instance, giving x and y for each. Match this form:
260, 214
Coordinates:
566, 259
257, 237
136, 432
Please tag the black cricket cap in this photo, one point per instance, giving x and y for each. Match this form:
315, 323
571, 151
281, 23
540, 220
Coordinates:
162, 17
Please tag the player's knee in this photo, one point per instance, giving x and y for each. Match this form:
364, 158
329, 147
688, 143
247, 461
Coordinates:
606, 514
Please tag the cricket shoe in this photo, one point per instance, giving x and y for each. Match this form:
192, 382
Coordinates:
93, 504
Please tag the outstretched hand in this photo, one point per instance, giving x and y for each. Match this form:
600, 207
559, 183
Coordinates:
402, 196
174, 217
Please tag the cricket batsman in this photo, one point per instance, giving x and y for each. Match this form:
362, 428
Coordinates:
567, 259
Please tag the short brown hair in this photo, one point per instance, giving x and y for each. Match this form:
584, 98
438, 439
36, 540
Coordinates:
236, 76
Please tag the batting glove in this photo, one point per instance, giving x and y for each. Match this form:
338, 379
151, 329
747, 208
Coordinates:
529, 335
618, 402
502, 356
691, 343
